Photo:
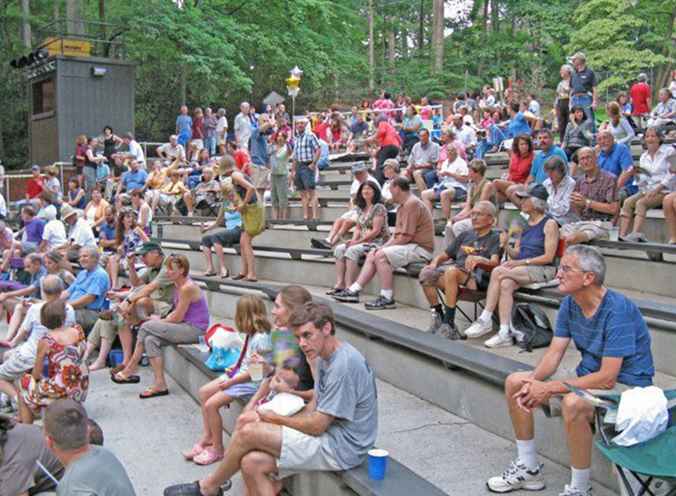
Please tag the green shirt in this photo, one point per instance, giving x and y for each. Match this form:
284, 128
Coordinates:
165, 289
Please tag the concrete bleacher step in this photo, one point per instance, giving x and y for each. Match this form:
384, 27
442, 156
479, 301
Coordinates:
458, 378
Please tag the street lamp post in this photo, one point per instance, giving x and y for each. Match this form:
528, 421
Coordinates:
293, 87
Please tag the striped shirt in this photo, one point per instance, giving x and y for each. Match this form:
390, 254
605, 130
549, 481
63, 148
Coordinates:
305, 146
616, 329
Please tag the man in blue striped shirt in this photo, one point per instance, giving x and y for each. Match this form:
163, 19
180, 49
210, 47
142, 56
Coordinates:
613, 339
306, 152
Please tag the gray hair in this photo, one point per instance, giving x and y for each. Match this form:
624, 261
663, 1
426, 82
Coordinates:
568, 68
556, 164
392, 162
487, 207
52, 285
34, 257
643, 77
92, 251
591, 260
65, 422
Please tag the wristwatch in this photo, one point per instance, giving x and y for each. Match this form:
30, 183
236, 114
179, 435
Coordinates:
588, 203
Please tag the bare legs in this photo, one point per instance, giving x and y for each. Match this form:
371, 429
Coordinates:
669, 206
248, 259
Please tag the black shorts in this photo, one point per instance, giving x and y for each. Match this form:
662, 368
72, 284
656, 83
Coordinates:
223, 237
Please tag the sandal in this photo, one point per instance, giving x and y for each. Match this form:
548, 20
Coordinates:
115, 370
251, 280
225, 275
210, 273
238, 277
153, 393
208, 456
193, 489
194, 451
120, 379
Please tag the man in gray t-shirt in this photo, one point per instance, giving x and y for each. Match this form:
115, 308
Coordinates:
333, 432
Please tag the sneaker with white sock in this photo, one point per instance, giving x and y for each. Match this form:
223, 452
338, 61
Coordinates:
517, 476
478, 329
499, 341
574, 491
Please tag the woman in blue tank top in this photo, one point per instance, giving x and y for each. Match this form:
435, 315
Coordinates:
530, 261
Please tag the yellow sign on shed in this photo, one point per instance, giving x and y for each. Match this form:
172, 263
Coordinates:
69, 47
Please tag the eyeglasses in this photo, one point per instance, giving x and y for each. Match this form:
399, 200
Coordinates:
567, 269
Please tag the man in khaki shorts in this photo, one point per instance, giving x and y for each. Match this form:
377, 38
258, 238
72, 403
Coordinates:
613, 339
594, 200
333, 432
413, 241
152, 294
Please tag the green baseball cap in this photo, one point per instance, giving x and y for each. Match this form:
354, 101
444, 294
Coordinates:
147, 247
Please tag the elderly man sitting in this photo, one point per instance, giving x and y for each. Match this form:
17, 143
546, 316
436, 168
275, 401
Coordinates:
665, 111
613, 339
594, 201
422, 161
32, 265
87, 295
463, 263
204, 195
172, 150
80, 233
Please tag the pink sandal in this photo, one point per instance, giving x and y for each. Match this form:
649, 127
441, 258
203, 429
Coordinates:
192, 453
208, 456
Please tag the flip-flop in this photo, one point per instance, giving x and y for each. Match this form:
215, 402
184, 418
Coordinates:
116, 369
209, 274
207, 457
250, 280
226, 275
193, 489
132, 379
194, 451
152, 393
238, 277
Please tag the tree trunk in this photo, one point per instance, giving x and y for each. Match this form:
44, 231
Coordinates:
421, 28
56, 10
26, 35
663, 76
403, 37
183, 84
372, 56
495, 15
74, 24
391, 45
485, 18
438, 36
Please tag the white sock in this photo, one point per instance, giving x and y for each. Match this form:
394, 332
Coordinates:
579, 478
527, 453
387, 293
486, 316
355, 288
504, 330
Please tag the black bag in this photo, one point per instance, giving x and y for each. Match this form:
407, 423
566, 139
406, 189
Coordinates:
532, 327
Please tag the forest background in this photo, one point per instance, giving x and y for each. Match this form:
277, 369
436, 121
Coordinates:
220, 52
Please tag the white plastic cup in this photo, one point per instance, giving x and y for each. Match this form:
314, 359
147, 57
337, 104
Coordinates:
614, 234
256, 371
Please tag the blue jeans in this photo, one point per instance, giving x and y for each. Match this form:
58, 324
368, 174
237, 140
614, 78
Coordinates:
210, 144
431, 178
496, 135
184, 137
585, 101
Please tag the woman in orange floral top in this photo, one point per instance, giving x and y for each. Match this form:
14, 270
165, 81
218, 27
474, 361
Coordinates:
67, 373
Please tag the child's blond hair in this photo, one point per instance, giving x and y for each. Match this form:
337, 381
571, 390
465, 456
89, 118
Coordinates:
251, 316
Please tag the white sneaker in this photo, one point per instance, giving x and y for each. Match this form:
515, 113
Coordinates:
498, 341
517, 476
574, 491
478, 329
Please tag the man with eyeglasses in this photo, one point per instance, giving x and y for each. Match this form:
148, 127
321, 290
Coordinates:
613, 339
594, 201
463, 263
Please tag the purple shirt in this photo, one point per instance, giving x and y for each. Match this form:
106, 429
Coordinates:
33, 230
197, 314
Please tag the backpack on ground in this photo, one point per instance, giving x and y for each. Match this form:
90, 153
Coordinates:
531, 327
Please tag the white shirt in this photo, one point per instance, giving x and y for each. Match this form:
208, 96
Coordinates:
558, 200
221, 126
242, 130
54, 234
467, 135
458, 166
36, 331
534, 108
354, 187
658, 168
136, 150
172, 151
3, 206
81, 234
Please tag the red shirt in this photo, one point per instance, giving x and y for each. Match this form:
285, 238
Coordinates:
34, 187
387, 135
320, 130
519, 168
242, 159
198, 128
640, 93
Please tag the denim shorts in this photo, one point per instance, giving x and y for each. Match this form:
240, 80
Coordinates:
305, 178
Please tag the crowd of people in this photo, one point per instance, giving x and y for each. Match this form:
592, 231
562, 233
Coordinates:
85, 274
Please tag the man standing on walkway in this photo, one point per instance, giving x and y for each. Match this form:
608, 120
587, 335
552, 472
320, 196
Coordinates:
306, 152
614, 342
243, 126
583, 88
90, 470
332, 433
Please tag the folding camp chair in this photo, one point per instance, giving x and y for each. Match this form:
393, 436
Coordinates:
644, 463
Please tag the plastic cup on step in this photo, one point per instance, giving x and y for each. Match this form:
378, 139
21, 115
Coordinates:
256, 371
377, 463
614, 234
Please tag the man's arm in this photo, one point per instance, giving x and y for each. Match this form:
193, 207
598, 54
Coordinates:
551, 360
605, 378
308, 421
82, 301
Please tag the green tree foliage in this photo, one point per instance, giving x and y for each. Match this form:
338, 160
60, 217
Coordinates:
621, 38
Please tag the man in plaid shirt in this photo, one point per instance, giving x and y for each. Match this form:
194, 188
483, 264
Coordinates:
306, 151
